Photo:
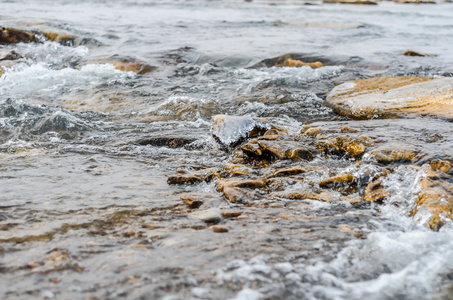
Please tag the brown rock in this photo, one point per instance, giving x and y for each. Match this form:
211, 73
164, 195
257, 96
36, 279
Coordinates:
194, 177
235, 170
340, 180
233, 194
415, 53
393, 96
191, 200
231, 213
374, 191
61, 38
219, 229
240, 183
366, 2
290, 171
297, 63
14, 36
440, 165
389, 156
345, 129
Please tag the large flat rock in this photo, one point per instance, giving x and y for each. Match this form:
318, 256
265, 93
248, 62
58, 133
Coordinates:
397, 96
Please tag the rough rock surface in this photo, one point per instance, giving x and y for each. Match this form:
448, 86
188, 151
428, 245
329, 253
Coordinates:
392, 97
356, 162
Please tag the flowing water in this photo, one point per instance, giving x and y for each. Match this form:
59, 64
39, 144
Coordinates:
85, 208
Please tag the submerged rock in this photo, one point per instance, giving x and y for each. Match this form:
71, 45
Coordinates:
393, 96
230, 131
125, 64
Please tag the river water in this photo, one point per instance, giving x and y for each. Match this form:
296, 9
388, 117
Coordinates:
85, 208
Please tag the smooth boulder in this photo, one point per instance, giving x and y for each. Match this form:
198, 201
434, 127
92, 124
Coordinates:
396, 96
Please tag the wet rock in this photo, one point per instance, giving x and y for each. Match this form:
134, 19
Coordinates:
395, 155
278, 149
234, 195
341, 145
374, 192
210, 216
193, 177
230, 131
61, 121
297, 63
393, 96
290, 171
367, 2
219, 229
236, 170
170, 142
14, 36
240, 183
416, 53
416, 1
305, 194
231, 213
193, 201
125, 64
12, 55
346, 183
62, 38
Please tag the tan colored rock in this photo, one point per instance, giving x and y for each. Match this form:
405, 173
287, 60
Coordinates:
61, 38
441, 165
394, 155
289, 62
233, 194
416, 53
367, 2
240, 183
219, 229
343, 179
14, 36
306, 194
416, 1
235, 170
393, 96
374, 192
290, 171
193, 177
231, 213
192, 200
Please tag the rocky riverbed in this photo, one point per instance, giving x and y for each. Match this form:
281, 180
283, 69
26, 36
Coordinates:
225, 150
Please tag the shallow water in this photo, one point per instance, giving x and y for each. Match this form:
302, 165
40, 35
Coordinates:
85, 208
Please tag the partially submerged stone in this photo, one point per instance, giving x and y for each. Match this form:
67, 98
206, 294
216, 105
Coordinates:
62, 38
393, 96
164, 141
395, 155
125, 64
193, 177
192, 200
416, 53
367, 2
416, 1
14, 36
209, 216
230, 131
298, 63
